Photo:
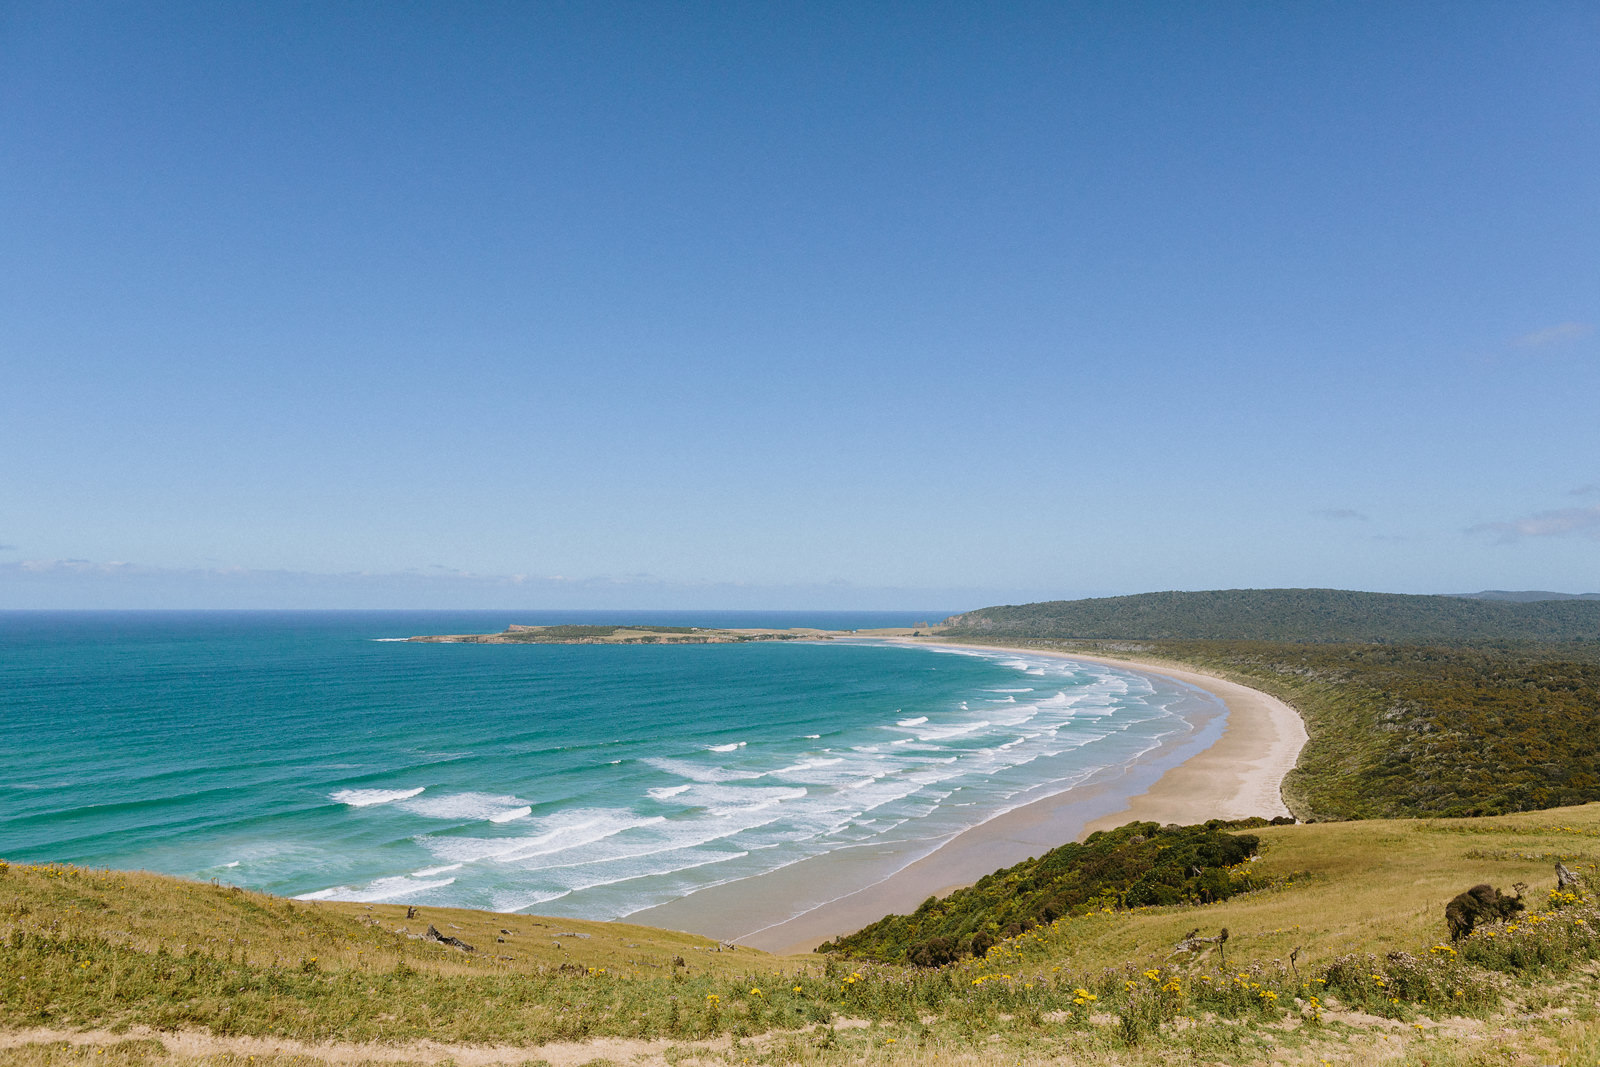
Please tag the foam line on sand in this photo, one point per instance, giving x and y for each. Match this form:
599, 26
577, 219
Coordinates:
1233, 772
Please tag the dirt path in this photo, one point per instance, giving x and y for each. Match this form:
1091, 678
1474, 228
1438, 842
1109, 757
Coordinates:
194, 1043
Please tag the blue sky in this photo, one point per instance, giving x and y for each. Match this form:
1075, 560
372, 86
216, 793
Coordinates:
784, 305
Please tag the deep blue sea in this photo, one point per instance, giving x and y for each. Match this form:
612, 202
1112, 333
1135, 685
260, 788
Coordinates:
312, 754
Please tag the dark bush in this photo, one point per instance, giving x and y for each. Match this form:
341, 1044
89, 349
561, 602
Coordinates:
1132, 866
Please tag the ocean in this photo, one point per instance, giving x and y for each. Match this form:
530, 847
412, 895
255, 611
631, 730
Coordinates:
312, 754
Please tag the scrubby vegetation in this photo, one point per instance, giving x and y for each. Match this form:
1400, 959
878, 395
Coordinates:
1137, 865
1317, 968
1415, 705
1312, 615
1415, 730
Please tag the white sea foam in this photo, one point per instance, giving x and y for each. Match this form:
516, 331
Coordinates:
378, 890
868, 780
918, 721
516, 901
575, 883
573, 836
430, 872
729, 800
515, 813
662, 792
808, 765
674, 836
813, 737
468, 807
699, 772
552, 834
365, 798
1016, 715
725, 748
942, 733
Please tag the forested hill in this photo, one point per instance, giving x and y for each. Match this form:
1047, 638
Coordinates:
1289, 615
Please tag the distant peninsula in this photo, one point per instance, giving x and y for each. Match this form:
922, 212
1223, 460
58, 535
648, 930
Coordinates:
656, 635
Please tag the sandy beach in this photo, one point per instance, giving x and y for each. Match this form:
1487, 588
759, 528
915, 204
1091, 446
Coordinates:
1230, 766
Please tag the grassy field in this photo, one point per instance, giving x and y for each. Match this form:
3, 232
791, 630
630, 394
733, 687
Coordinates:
1347, 962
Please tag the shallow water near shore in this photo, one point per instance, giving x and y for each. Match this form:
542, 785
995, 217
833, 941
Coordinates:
311, 754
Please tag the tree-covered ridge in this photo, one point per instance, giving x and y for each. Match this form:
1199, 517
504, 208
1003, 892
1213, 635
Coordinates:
1315, 615
1134, 865
1416, 730
1429, 731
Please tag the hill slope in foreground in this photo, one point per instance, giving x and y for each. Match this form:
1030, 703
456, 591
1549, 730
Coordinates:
1341, 961
1316, 615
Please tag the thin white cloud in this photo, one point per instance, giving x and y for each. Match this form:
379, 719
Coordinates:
72, 566
1559, 334
123, 569
1340, 514
1562, 522
81, 583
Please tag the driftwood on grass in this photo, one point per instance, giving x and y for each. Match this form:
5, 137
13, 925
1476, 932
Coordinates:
1192, 941
432, 934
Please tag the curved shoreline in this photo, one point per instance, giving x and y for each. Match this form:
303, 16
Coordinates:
1230, 766
1239, 776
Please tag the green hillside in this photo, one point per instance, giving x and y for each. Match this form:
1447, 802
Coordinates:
1340, 958
1317, 615
1136, 865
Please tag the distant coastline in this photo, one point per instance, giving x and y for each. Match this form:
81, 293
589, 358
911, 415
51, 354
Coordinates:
653, 635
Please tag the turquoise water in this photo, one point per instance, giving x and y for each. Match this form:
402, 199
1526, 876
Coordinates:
311, 754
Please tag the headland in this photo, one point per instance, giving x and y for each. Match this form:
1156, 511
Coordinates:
650, 635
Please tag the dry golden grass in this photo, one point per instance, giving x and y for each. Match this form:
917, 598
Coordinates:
1376, 886
303, 983
147, 912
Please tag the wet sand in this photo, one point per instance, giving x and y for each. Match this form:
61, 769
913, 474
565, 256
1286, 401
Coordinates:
1229, 766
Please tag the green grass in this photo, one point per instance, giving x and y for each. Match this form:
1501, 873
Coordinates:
84, 950
1133, 865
